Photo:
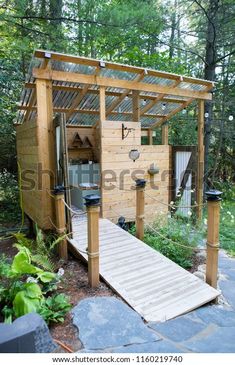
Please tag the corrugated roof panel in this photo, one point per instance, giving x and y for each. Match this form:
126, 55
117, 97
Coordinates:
158, 80
189, 86
121, 75
72, 67
163, 108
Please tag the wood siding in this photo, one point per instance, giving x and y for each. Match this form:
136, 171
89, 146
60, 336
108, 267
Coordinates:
28, 158
119, 173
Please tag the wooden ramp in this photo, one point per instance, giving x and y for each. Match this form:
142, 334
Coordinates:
157, 288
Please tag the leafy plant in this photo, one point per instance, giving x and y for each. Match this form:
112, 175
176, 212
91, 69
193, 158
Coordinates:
24, 286
54, 308
175, 230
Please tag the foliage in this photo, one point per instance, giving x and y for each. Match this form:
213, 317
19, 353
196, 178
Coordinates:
9, 198
42, 248
54, 308
174, 230
24, 287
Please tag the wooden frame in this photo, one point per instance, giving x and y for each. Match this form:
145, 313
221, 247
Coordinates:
52, 87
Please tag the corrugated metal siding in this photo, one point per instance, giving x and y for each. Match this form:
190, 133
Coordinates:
181, 163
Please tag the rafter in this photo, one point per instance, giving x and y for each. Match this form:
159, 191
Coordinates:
30, 85
158, 98
80, 96
118, 83
126, 92
175, 111
87, 111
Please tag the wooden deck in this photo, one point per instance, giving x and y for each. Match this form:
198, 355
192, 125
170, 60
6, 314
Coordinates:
157, 288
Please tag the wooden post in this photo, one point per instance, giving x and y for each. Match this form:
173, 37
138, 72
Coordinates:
140, 202
200, 159
165, 134
101, 120
135, 106
93, 211
46, 149
213, 199
61, 223
150, 136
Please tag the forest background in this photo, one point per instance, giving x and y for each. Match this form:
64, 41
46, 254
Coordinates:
188, 37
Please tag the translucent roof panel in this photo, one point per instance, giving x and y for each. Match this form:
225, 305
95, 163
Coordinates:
76, 82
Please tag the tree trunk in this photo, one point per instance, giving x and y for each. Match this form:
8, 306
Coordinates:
209, 74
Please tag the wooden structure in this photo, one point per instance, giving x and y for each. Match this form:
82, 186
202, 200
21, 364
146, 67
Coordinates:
96, 98
156, 287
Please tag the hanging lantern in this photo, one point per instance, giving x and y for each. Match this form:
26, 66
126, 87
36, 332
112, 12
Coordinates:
206, 115
230, 118
134, 154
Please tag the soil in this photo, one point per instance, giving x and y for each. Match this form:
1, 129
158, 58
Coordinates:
75, 284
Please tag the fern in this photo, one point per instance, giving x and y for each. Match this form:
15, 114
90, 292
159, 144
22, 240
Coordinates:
43, 261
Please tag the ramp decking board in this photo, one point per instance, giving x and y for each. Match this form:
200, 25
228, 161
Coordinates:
156, 287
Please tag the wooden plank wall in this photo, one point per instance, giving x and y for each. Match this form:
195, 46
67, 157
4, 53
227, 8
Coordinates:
119, 173
28, 158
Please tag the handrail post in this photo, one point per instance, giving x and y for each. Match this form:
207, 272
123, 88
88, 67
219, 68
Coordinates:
213, 208
140, 202
92, 203
60, 221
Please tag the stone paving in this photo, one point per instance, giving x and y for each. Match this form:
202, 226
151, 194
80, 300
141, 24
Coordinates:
108, 325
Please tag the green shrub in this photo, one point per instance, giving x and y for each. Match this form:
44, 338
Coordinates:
173, 230
10, 211
24, 287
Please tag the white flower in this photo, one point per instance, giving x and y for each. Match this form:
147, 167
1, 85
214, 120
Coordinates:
190, 213
172, 203
205, 221
232, 216
31, 280
60, 272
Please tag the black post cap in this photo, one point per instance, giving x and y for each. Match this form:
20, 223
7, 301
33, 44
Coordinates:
213, 195
140, 183
92, 200
58, 189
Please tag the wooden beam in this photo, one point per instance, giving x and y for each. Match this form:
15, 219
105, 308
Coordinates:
126, 92
46, 144
135, 106
32, 100
101, 120
30, 85
87, 111
157, 99
119, 67
165, 134
123, 84
79, 97
175, 111
150, 136
200, 158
